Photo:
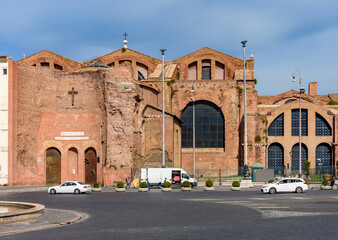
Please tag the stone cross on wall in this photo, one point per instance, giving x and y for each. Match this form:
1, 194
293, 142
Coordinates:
73, 94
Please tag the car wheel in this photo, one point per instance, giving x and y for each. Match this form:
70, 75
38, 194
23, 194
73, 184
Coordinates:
77, 191
272, 190
192, 185
299, 190
52, 191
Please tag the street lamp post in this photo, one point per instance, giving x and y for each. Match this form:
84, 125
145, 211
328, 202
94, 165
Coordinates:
193, 130
163, 114
246, 168
295, 73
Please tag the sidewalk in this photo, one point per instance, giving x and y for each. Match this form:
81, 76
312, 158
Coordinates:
52, 218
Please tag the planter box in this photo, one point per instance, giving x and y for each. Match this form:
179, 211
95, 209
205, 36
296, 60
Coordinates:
143, 189
96, 189
209, 188
120, 189
166, 189
186, 188
235, 188
325, 187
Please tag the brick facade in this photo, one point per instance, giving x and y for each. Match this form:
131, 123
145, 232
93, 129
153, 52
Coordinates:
118, 113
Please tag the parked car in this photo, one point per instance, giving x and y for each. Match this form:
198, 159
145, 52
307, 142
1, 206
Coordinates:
297, 185
70, 187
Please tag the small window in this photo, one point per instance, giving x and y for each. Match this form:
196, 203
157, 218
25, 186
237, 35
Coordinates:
44, 64
58, 67
5, 71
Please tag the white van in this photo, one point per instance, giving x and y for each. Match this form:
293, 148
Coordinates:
157, 176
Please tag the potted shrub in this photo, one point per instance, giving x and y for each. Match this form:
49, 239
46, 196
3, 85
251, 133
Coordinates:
166, 187
209, 185
186, 186
120, 187
236, 186
325, 185
143, 187
96, 187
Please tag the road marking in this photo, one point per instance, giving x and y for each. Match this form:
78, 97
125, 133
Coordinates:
300, 198
271, 207
259, 198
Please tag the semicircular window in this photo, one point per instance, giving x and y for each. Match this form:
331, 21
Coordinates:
209, 126
322, 126
277, 126
290, 100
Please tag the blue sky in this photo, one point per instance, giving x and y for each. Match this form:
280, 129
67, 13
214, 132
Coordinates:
283, 35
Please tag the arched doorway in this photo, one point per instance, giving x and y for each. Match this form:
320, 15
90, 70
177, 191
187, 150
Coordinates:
53, 166
90, 165
295, 158
276, 158
323, 158
72, 161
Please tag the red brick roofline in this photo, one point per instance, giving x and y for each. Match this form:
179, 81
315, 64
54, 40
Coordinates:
237, 60
53, 53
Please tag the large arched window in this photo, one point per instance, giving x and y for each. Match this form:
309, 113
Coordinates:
192, 71
322, 126
323, 158
276, 158
295, 122
142, 71
277, 126
295, 156
209, 126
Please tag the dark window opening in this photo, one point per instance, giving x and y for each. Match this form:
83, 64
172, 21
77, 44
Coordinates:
209, 126
44, 64
58, 67
140, 76
322, 126
295, 122
277, 126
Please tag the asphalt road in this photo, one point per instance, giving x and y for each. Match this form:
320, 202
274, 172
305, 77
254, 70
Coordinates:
190, 215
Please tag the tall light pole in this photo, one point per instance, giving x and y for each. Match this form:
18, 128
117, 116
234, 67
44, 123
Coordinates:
295, 73
163, 114
193, 129
246, 168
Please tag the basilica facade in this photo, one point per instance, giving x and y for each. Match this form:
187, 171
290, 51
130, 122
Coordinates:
98, 121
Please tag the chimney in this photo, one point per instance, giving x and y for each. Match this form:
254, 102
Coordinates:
313, 86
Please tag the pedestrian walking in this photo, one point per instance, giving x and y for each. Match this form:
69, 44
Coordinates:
148, 184
332, 182
128, 183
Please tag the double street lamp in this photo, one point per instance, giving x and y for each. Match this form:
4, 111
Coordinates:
295, 73
163, 113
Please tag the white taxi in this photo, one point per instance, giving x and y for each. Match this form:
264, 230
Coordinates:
297, 185
70, 187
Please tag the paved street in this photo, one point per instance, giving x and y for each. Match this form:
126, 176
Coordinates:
189, 215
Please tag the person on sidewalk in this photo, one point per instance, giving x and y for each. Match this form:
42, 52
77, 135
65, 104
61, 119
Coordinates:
128, 183
332, 182
147, 181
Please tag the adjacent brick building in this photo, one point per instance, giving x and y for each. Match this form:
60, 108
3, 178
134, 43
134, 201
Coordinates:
101, 119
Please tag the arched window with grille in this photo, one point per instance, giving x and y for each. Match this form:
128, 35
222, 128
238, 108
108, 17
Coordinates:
295, 122
322, 126
209, 125
323, 158
276, 158
277, 126
295, 156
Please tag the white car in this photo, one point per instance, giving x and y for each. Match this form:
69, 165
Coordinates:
70, 187
297, 185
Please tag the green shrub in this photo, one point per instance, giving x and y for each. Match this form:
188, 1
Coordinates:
186, 184
143, 185
166, 185
209, 183
258, 138
96, 185
307, 167
333, 102
120, 185
325, 182
271, 181
236, 184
